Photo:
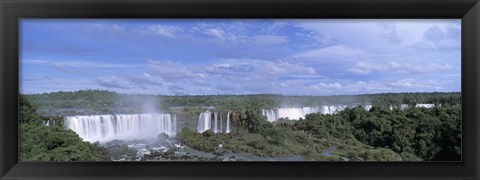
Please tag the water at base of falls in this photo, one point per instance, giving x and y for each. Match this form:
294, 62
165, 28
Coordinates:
103, 128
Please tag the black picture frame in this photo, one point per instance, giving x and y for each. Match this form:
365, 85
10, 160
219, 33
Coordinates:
12, 10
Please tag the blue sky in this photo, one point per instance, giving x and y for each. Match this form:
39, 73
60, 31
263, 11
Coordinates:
225, 56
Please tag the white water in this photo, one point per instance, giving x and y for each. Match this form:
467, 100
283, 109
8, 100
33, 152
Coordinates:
205, 122
121, 126
425, 105
227, 129
401, 107
297, 113
215, 127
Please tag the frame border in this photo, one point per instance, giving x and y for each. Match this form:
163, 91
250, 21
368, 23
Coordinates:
12, 10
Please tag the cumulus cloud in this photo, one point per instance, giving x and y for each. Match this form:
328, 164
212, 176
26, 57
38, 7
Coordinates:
300, 57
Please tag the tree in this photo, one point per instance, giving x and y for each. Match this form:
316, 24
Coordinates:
43, 143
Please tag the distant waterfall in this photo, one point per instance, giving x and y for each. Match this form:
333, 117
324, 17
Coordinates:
424, 105
297, 113
227, 129
215, 125
121, 126
205, 122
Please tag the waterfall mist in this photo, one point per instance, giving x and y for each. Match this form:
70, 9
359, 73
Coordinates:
147, 124
104, 128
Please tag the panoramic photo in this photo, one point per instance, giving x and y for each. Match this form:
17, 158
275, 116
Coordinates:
240, 90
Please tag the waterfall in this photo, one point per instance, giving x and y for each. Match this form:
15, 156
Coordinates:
121, 126
367, 107
174, 126
215, 125
227, 129
297, 113
425, 105
50, 123
221, 123
205, 122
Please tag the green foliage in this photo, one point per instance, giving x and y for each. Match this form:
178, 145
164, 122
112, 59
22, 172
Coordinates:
41, 143
26, 111
378, 134
106, 101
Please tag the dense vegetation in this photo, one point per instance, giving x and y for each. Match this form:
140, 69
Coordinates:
43, 143
105, 101
380, 134
354, 134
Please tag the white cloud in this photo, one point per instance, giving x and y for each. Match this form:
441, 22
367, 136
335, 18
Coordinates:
77, 64
337, 51
164, 30
171, 70
326, 86
269, 39
114, 82
366, 68
108, 27
224, 36
363, 68
362, 87
221, 35
447, 39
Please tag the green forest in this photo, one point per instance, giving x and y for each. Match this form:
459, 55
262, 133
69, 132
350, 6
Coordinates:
354, 134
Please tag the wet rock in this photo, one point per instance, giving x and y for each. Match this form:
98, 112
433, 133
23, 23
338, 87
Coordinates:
216, 158
170, 152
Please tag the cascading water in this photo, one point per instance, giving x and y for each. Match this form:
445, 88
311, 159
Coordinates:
215, 125
121, 126
227, 129
424, 105
297, 113
367, 107
221, 123
205, 122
